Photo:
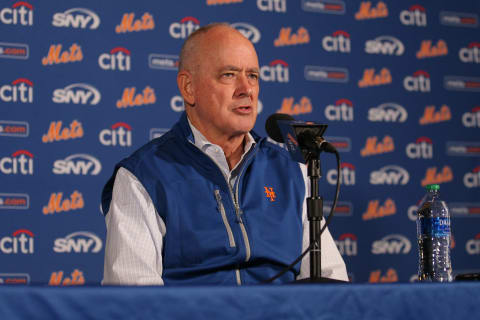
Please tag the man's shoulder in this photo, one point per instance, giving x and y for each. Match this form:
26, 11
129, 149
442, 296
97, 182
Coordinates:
155, 148
272, 147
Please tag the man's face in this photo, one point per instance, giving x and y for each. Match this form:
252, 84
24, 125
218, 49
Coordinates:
225, 85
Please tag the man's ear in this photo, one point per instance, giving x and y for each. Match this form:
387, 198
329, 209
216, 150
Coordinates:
184, 82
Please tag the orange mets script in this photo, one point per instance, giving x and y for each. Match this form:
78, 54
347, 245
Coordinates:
366, 10
373, 147
429, 51
57, 204
432, 177
56, 56
56, 133
76, 278
375, 210
432, 116
287, 38
304, 106
371, 79
376, 277
131, 99
128, 23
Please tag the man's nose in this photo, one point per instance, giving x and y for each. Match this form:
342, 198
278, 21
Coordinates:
244, 87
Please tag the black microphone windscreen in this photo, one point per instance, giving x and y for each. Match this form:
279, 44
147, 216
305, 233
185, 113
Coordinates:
272, 128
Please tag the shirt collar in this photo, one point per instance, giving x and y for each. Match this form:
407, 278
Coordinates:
202, 143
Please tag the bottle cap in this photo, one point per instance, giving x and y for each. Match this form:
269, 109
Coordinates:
433, 187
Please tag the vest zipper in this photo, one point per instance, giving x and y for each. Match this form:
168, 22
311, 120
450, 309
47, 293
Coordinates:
231, 240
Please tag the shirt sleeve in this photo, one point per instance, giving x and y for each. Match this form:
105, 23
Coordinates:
333, 266
135, 231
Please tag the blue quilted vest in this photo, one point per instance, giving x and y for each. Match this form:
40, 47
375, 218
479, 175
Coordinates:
217, 234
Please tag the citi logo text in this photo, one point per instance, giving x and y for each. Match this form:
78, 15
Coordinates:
347, 244
430, 115
427, 50
370, 79
386, 45
77, 93
249, 31
374, 147
392, 244
176, 103
76, 18
117, 59
342, 110
473, 245
20, 162
414, 16
182, 29
58, 204
276, 71
130, 98
472, 179
78, 164
347, 174
389, 277
420, 149
419, 81
339, 41
56, 56
78, 242
21, 241
390, 175
20, 13
470, 54
20, 90
287, 38
119, 134
303, 107
57, 133
75, 279
367, 11
375, 210
272, 5
434, 177
129, 24
388, 112
471, 119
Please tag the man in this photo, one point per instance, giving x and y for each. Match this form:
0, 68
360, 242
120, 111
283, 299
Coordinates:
210, 202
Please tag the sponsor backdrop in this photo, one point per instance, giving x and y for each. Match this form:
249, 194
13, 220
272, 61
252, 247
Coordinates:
85, 83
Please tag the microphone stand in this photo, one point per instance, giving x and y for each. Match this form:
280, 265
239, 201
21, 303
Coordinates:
315, 216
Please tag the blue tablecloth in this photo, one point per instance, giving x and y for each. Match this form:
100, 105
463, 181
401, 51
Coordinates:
330, 301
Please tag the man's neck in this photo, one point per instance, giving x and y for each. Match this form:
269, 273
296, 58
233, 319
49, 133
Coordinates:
233, 146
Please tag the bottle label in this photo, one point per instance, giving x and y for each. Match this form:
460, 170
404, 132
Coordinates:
435, 227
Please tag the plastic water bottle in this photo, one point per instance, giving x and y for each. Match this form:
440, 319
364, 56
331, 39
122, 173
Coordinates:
433, 234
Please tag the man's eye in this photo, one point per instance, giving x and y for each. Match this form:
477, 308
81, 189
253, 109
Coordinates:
228, 75
253, 76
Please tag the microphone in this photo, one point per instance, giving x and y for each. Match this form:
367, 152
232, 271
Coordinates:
272, 128
308, 136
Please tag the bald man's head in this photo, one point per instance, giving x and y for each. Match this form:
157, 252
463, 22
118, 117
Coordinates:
191, 48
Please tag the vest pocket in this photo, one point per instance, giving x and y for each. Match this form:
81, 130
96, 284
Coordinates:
221, 208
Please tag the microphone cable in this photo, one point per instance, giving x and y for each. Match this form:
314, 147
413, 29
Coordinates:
327, 222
